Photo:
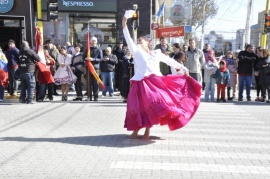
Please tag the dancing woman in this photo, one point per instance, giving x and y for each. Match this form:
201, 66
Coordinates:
155, 99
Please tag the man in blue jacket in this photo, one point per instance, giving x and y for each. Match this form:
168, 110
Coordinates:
12, 55
95, 57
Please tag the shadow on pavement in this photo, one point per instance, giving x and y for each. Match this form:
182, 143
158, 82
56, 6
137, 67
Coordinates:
117, 140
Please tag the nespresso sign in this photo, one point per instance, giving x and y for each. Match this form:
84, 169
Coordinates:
88, 5
6, 5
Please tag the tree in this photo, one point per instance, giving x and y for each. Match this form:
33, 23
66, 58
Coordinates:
211, 10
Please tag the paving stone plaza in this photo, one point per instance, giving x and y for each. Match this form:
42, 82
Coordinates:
62, 140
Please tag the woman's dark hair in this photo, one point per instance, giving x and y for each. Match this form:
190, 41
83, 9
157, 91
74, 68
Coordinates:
179, 56
162, 37
78, 45
259, 48
176, 45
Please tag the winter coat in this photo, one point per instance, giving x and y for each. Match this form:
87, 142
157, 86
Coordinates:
195, 60
221, 77
27, 59
245, 64
232, 67
209, 69
12, 56
264, 78
108, 66
164, 68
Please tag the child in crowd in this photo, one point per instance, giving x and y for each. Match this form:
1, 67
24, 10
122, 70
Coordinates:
222, 77
210, 66
232, 67
3, 74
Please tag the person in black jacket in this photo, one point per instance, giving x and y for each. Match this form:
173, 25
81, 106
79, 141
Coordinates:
263, 66
107, 67
245, 68
128, 72
95, 57
78, 68
120, 53
27, 60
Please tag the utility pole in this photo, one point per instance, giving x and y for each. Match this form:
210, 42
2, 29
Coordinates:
264, 35
247, 30
203, 14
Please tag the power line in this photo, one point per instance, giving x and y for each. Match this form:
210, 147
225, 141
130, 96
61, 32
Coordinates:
237, 7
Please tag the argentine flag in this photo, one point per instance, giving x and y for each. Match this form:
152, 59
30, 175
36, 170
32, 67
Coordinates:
160, 11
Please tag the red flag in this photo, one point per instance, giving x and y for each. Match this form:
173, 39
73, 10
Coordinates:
44, 72
38, 39
90, 65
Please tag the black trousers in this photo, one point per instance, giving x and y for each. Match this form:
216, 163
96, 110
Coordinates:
258, 86
78, 84
125, 86
264, 89
93, 84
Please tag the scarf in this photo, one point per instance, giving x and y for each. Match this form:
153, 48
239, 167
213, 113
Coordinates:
224, 66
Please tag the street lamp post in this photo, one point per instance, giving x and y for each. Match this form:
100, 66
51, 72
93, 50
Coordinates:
202, 40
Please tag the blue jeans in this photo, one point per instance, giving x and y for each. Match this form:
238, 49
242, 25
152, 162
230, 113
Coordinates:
210, 90
28, 84
12, 81
107, 77
247, 81
2, 91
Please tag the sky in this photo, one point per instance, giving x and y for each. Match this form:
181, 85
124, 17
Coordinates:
231, 16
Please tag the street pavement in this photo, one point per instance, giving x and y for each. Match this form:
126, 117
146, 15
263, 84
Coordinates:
86, 140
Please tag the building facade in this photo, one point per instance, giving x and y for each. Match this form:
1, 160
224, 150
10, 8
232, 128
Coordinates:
16, 22
104, 18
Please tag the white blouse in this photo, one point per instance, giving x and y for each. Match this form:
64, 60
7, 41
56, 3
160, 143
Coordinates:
145, 63
64, 59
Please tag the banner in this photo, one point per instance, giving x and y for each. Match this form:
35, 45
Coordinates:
170, 32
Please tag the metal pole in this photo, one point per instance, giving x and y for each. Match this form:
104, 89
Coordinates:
89, 86
151, 6
247, 30
202, 40
135, 7
264, 35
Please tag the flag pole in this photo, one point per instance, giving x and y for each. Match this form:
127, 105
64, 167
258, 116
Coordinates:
89, 90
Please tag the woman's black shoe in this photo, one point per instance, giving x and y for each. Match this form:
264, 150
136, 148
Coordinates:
77, 99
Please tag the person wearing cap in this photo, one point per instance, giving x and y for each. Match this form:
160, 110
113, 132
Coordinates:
245, 68
27, 60
95, 57
118, 68
12, 55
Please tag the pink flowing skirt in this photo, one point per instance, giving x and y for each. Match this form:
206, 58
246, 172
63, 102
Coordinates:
166, 100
